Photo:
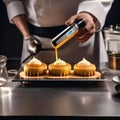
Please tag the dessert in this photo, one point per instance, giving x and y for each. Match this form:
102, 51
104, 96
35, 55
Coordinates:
35, 68
59, 68
84, 68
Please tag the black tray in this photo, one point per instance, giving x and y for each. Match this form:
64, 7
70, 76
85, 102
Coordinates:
80, 83
57, 79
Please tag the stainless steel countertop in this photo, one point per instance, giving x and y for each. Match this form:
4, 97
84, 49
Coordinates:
100, 99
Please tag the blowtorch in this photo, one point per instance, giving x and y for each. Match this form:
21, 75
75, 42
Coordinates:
67, 33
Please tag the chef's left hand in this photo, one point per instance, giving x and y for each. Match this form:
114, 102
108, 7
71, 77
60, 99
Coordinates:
33, 45
88, 30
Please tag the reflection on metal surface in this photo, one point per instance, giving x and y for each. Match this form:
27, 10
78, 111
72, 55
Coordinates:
3, 70
5, 91
2, 81
116, 97
5, 96
86, 100
12, 72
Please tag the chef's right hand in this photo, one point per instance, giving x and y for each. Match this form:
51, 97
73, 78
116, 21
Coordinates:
33, 45
88, 30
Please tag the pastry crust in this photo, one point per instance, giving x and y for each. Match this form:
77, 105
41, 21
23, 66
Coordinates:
59, 69
35, 68
84, 69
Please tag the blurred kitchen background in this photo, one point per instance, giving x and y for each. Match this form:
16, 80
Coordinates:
11, 39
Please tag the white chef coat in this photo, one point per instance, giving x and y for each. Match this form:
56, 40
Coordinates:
48, 13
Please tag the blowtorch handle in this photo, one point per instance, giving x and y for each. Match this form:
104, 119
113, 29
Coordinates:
80, 23
68, 33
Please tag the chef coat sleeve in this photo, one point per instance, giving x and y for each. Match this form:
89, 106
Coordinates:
14, 8
97, 8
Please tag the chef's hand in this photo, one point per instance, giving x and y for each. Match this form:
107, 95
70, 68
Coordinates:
88, 30
33, 45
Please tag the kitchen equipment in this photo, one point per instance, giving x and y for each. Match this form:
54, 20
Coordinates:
116, 79
67, 33
114, 61
113, 51
112, 38
112, 32
3, 70
112, 43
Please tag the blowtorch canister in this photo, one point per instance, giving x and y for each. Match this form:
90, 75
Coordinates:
67, 33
